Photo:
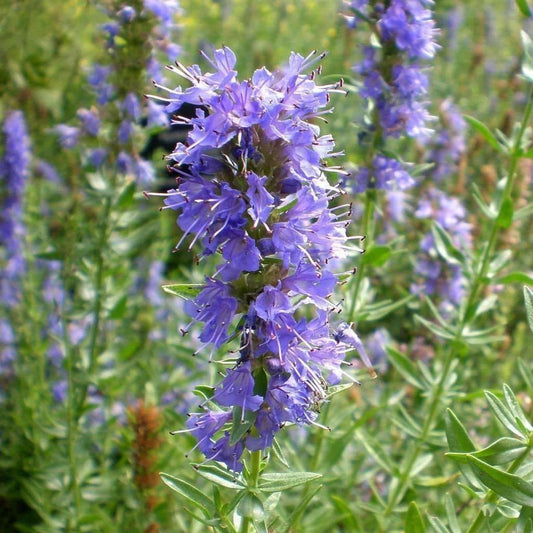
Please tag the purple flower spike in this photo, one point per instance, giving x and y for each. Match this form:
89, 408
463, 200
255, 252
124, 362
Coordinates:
252, 194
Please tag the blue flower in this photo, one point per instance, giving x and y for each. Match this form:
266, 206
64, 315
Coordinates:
252, 192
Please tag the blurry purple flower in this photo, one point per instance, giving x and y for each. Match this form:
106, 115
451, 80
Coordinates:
124, 163
164, 10
144, 172
132, 107
127, 14
68, 135
96, 157
90, 121
47, 171
157, 115
124, 132
60, 390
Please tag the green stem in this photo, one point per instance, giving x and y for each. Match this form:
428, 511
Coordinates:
252, 484
368, 232
313, 464
479, 280
72, 427
98, 298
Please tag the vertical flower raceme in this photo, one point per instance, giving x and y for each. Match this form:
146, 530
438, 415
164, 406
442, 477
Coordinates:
110, 129
252, 191
436, 276
394, 83
14, 171
448, 144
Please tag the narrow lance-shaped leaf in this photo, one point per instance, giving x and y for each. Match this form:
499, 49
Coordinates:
505, 216
515, 408
485, 132
282, 481
219, 476
502, 451
528, 298
503, 414
453, 522
186, 291
191, 493
459, 441
524, 7
510, 486
413, 520
405, 367
444, 245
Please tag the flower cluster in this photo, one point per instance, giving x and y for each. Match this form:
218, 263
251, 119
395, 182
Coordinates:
252, 190
448, 144
115, 120
393, 81
392, 74
14, 171
436, 276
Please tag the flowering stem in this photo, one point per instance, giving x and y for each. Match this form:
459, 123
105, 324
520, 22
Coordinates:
478, 281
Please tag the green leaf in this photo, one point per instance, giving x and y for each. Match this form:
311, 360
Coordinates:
505, 216
413, 520
126, 195
502, 413
527, 60
525, 521
528, 299
219, 476
524, 8
437, 525
287, 480
381, 309
459, 441
241, 424
502, 451
191, 493
278, 453
405, 367
333, 390
187, 291
510, 486
300, 508
516, 277
376, 451
376, 255
444, 245
515, 407
451, 514
500, 260
485, 132
488, 210
437, 330
349, 518
436, 313
251, 506
526, 372
96, 181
